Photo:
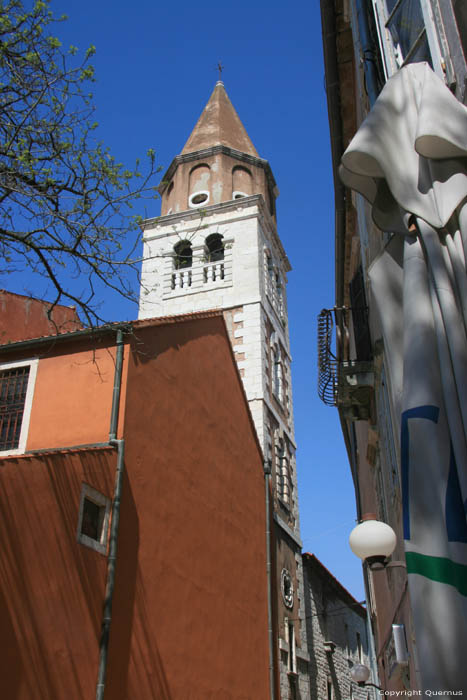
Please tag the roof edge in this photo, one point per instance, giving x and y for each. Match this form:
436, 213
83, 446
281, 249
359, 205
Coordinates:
212, 151
107, 329
313, 560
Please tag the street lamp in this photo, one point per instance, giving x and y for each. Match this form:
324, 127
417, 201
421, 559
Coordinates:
373, 542
360, 674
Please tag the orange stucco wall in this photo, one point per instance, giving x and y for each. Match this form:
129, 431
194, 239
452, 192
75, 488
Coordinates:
22, 317
51, 587
190, 610
190, 602
73, 397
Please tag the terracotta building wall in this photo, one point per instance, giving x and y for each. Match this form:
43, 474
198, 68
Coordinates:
22, 318
73, 396
51, 587
190, 614
190, 611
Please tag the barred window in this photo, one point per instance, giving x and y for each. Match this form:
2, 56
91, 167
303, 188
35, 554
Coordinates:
13, 389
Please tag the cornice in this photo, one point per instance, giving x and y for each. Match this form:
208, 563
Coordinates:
205, 212
212, 151
265, 219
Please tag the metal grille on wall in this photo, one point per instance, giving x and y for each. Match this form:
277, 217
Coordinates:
13, 387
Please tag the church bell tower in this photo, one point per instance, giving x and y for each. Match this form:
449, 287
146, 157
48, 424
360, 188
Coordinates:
216, 246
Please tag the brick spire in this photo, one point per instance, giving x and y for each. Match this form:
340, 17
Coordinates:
219, 123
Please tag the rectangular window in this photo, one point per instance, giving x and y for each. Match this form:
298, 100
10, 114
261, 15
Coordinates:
409, 33
460, 12
278, 376
93, 520
13, 388
407, 28
283, 474
291, 636
387, 434
361, 327
16, 387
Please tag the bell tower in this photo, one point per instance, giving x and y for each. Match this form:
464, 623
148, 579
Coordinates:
216, 246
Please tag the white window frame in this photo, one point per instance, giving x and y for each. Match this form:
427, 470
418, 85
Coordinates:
291, 646
91, 494
386, 43
204, 203
278, 375
238, 194
32, 364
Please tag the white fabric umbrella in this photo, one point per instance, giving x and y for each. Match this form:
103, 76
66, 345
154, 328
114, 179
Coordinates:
409, 160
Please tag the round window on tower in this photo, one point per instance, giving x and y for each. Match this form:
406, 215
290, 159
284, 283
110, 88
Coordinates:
287, 588
197, 199
238, 195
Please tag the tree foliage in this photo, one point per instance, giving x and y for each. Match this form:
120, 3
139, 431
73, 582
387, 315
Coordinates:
65, 203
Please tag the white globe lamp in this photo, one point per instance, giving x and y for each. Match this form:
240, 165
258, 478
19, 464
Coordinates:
372, 541
360, 673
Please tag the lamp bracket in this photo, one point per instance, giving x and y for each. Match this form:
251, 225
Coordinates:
379, 566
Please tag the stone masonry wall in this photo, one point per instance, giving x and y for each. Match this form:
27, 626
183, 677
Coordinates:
332, 615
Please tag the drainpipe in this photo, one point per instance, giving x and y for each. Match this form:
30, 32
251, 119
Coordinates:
267, 481
112, 558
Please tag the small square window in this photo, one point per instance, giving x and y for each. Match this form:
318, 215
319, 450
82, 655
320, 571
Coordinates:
93, 521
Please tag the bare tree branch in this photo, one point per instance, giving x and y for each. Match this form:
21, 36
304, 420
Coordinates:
65, 203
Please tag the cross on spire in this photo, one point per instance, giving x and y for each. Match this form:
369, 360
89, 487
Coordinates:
220, 68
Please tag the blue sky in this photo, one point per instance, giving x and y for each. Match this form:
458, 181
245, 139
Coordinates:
155, 69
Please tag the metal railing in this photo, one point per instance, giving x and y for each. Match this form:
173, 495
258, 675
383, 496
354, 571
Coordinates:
327, 360
337, 370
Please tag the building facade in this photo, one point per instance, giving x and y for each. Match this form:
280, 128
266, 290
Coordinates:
216, 246
108, 436
31, 318
337, 635
369, 47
